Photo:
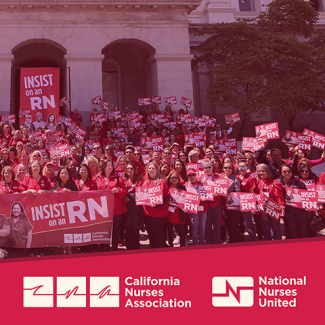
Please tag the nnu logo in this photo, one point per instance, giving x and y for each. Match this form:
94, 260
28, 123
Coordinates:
71, 292
232, 291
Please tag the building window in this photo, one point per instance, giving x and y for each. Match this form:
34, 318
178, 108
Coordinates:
317, 4
246, 5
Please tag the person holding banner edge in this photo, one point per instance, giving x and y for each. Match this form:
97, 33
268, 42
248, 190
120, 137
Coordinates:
108, 180
273, 189
296, 219
176, 216
214, 220
155, 215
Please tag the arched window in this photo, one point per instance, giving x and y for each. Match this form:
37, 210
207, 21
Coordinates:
246, 5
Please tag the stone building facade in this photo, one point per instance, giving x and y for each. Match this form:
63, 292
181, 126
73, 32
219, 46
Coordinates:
120, 49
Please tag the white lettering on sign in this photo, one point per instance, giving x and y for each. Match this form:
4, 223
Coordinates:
42, 102
38, 81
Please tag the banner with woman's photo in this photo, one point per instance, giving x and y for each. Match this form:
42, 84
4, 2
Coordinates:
56, 219
40, 96
301, 199
145, 195
185, 200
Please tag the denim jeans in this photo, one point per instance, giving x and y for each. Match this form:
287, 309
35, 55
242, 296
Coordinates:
248, 224
267, 223
198, 221
213, 226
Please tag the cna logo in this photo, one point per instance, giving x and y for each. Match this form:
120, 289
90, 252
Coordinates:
38, 292
71, 292
233, 291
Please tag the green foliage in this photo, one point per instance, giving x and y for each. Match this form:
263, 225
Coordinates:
289, 16
254, 66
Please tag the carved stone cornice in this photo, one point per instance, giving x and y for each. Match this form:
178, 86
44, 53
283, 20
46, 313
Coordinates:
65, 5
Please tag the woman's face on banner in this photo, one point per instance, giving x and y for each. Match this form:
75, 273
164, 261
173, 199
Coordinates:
16, 210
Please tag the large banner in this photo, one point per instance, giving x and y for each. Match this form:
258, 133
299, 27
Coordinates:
57, 219
40, 94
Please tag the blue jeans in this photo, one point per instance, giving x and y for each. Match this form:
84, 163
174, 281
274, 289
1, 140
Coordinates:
248, 224
213, 226
267, 223
198, 227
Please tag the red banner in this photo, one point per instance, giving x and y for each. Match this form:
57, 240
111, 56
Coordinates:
272, 209
220, 185
232, 118
210, 121
39, 93
290, 138
318, 139
182, 117
244, 202
37, 135
155, 100
205, 191
301, 199
227, 146
10, 119
170, 100
54, 137
101, 118
112, 115
58, 219
65, 120
144, 101
61, 151
185, 200
305, 142
135, 122
261, 201
250, 144
321, 193
199, 121
186, 102
76, 131
152, 143
268, 131
145, 195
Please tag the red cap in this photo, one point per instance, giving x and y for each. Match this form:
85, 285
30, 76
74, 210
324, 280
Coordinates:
191, 171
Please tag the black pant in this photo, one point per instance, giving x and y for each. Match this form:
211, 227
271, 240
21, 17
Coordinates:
181, 230
268, 222
296, 221
232, 224
132, 238
156, 231
116, 231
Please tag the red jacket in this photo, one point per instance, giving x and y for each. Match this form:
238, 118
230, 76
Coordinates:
247, 183
273, 187
89, 185
30, 182
13, 187
104, 183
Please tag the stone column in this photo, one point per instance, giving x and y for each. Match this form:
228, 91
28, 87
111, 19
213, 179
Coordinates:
172, 76
86, 81
5, 83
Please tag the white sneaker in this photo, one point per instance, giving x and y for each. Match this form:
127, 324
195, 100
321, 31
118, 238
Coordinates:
177, 241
